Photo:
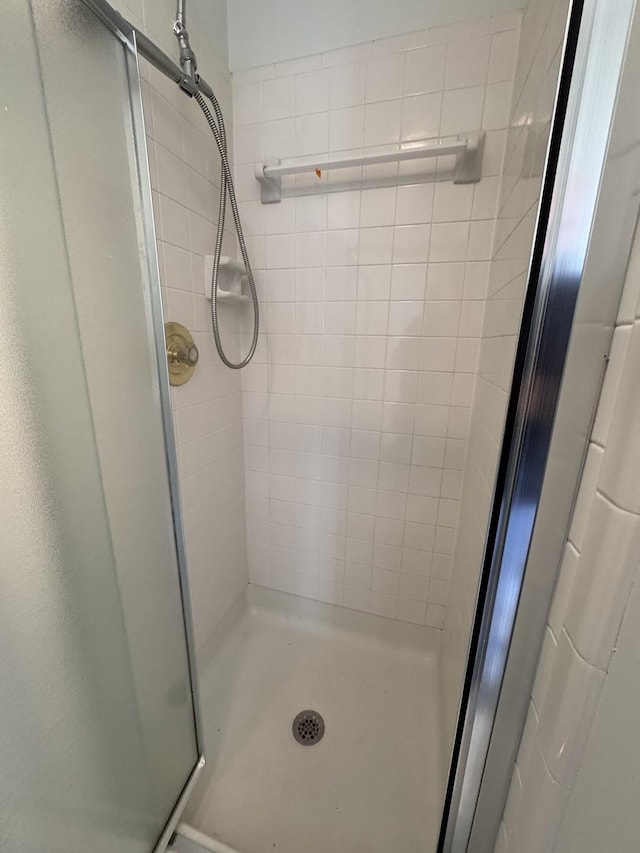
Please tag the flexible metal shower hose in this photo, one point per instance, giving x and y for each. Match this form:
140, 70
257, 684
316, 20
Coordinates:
226, 186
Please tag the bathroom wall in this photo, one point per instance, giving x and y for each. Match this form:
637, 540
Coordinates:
257, 35
594, 590
373, 290
207, 410
536, 78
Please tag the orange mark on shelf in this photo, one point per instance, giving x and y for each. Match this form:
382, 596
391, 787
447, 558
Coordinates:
318, 173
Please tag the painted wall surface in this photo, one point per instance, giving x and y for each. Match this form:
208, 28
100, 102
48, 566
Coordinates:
536, 78
185, 175
373, 289
588, 661
260, 33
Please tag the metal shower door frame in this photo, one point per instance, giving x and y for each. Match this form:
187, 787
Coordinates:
564, 339
126, 35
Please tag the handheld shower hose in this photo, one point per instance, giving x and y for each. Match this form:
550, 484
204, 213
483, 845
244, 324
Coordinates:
216, 124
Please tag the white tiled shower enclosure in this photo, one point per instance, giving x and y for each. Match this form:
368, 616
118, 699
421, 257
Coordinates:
373, 285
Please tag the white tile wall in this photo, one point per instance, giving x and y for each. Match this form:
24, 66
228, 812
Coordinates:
536, 74
599, 569
208, 410
372, 284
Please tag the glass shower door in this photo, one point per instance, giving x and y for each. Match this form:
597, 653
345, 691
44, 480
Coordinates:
98, 731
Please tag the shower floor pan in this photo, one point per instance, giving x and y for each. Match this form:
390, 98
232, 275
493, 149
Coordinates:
372, 783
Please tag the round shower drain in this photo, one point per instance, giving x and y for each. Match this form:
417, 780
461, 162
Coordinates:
308, 727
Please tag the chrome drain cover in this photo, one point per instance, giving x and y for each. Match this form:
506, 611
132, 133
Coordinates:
308, 727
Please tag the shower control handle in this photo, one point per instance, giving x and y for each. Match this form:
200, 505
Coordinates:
182, 353
187, 354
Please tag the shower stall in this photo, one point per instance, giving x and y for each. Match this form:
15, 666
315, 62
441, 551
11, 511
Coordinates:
294, 601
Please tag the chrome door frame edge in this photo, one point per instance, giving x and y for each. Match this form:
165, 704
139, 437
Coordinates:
126, 33
509, 624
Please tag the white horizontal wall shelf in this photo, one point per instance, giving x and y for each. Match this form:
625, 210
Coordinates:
467, 149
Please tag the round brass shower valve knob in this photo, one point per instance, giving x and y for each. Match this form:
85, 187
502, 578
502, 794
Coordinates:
182, 353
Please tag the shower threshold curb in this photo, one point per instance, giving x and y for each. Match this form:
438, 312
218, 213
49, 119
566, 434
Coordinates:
189, 840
